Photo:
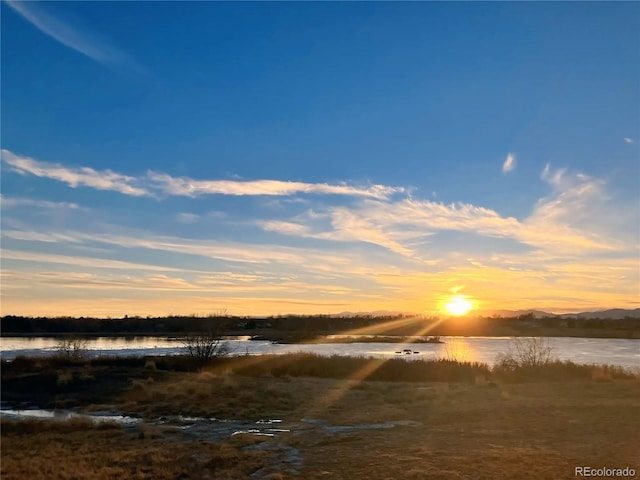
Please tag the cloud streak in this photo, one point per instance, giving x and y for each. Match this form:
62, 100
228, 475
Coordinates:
183, 186
155, 184
85, 43
13, 202
88, 262
74, 177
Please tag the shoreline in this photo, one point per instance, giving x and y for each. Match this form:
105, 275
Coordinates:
321, 337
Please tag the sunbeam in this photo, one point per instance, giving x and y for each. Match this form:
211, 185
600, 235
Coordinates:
333, 396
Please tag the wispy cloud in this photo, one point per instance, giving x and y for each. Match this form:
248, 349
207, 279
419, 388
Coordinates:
204, 284
238, 253
158, 183
153, 304
285, 228
629, 140
339, 224
74, 177
84, 280
509, 163
87, 262
551, 177
187, 217
86, 43
238, 256
45, 237
184, 186
573, 219
581, 210
11, 202
351, 226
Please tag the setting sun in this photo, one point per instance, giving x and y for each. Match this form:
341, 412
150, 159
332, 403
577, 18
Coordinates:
458, 305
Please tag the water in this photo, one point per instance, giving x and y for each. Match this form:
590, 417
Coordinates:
202, 427
612, 351
288, 458
40, 414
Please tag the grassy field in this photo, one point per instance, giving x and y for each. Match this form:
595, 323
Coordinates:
336, 422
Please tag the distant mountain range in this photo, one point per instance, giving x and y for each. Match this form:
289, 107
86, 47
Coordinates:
614, 313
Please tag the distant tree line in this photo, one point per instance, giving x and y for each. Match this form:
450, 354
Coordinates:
91, 325
318, 324
179, 324
626, 323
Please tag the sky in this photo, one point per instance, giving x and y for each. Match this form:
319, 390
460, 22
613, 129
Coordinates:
274, 158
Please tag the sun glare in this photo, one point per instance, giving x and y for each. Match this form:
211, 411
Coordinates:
458, 305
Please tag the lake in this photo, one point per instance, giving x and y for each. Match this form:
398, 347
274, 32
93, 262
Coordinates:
622, 352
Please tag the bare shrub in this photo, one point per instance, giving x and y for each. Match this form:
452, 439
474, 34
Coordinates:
72, 348
206, 346
210, 342
525, 353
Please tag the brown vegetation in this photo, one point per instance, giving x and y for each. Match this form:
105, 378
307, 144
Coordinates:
451, 420
79, 450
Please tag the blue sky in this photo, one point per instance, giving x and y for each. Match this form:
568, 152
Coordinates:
166, 157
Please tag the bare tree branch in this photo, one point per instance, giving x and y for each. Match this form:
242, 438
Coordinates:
210, 342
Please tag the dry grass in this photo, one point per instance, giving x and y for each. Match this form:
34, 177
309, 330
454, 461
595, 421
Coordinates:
484, 428
209, 395
77, 450
517, 431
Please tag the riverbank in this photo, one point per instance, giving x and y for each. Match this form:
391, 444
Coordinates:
314, 340
331, 417
286, 336
74, 382
620, 352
